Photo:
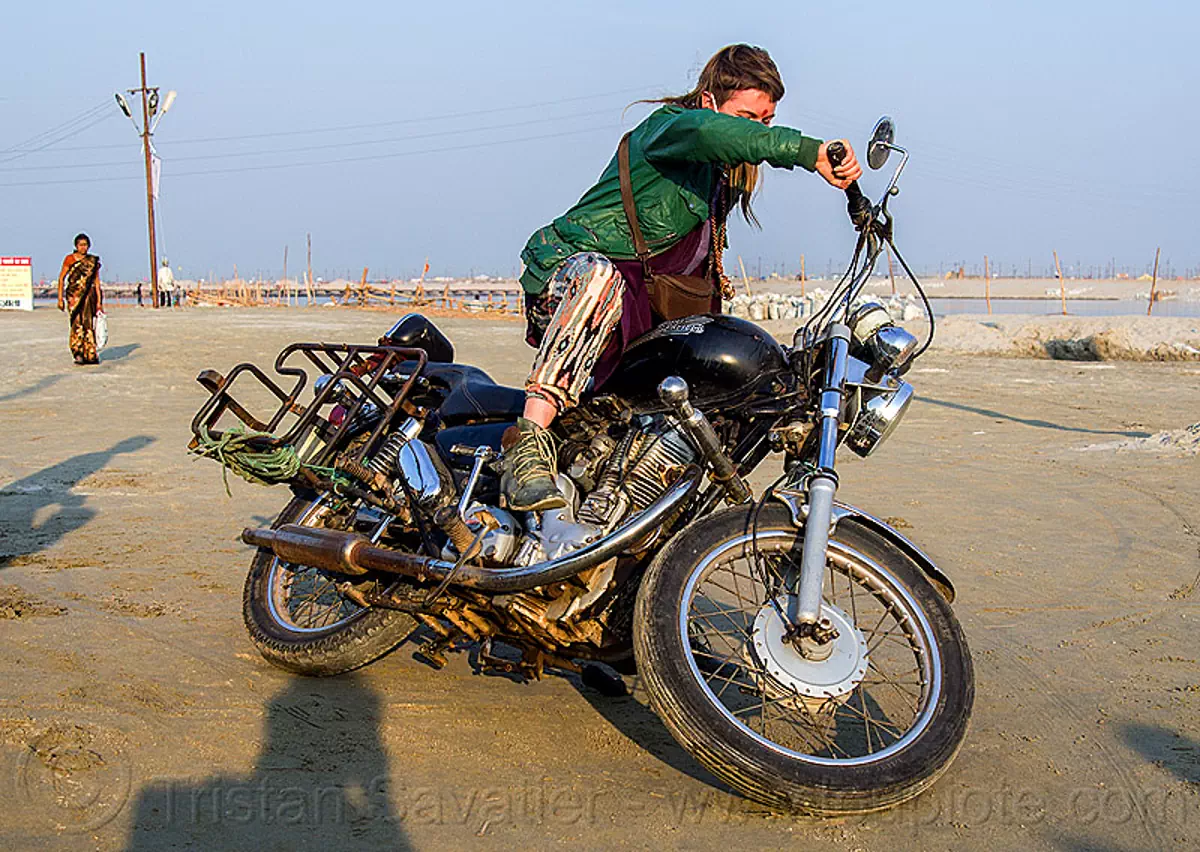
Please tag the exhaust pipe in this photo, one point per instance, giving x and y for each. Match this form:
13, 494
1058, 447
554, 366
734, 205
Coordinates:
352, 553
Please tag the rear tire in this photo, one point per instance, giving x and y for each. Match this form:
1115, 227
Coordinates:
697, 694
354, 636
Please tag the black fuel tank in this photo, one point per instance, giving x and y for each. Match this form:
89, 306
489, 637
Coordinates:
721, 357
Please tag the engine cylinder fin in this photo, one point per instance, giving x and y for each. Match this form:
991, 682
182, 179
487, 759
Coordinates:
636, 474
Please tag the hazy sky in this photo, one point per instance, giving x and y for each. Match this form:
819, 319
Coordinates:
395, 131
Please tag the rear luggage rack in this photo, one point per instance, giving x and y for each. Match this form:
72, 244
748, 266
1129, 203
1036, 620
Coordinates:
366, 386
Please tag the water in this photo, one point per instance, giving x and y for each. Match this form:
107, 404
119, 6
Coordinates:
1079, 308
941, 306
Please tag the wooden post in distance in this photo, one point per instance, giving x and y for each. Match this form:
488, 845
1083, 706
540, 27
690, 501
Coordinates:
987, 284
1153, 281
1062, 283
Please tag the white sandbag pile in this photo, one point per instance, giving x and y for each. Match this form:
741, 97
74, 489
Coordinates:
780, 306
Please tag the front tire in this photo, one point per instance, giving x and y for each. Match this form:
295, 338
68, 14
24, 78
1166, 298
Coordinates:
872, 726
300, 622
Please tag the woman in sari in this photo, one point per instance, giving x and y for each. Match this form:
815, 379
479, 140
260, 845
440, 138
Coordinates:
81, 275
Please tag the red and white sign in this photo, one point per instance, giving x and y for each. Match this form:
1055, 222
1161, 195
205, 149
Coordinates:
16, 283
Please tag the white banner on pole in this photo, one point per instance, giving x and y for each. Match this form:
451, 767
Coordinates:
155, 173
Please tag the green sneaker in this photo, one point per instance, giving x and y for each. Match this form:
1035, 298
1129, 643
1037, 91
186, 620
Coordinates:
528, 483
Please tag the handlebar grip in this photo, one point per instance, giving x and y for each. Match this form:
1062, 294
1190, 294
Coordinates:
857, 204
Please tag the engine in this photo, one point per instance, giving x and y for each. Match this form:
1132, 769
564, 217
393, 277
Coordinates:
607, 481
636, 474
608, 476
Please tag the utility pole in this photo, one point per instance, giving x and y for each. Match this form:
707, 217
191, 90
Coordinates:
145, 92
149, 107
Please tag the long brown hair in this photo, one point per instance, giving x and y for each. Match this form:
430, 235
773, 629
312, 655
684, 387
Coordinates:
732, 69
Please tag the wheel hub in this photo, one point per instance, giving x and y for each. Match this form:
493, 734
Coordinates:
837, 674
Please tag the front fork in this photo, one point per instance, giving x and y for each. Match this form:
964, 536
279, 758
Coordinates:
804, 608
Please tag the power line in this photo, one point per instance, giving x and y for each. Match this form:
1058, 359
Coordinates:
328, 146
392, 123
87, 113
276, 166
96, 116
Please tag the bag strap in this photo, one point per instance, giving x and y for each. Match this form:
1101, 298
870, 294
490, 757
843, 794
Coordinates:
639, 242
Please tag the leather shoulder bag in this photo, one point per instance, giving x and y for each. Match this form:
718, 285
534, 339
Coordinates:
671, 296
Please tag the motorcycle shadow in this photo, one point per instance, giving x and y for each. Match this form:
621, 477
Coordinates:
620, 699
632, 716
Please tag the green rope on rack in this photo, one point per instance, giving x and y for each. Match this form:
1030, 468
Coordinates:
233, 451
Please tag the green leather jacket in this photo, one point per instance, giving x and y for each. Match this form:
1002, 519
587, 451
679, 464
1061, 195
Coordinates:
675, 157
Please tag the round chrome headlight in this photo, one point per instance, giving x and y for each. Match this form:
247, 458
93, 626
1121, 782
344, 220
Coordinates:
879, 412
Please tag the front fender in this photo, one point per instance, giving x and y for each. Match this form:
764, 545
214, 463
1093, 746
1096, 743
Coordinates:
841, 511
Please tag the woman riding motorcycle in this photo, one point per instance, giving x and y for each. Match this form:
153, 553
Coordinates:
599, 276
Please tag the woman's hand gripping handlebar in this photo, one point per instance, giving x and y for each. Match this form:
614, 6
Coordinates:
844, 170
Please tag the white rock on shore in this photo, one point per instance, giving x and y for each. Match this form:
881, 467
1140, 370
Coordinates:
1185, 441
762, 307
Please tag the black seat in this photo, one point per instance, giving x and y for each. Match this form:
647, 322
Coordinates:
474, 397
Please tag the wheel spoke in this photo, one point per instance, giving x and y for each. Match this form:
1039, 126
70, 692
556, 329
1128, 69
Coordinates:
867, 717
707, 619
904, 695
726, 681
722, 661
726, 589
717, 609
807, 733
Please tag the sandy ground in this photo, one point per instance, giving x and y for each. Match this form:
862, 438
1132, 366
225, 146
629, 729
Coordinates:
136, 715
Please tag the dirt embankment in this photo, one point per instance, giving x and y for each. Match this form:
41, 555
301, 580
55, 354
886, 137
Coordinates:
1059, 338
1073, 338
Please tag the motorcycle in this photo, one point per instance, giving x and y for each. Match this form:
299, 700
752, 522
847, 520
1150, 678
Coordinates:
801, 649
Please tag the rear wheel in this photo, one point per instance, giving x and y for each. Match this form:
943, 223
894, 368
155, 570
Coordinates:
300, 621
866, 722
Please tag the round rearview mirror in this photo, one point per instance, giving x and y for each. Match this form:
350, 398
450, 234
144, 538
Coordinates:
878, 149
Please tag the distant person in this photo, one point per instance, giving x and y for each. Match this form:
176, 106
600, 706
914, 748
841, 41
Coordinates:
686, 166
139, 295
84, 299
166, 285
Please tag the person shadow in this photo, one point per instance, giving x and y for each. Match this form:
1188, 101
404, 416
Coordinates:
37, 387
320, 781
1169, 809
116, 353
1169, 749
41, 508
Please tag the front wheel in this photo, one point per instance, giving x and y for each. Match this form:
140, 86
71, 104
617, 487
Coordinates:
301, 622
869, 720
